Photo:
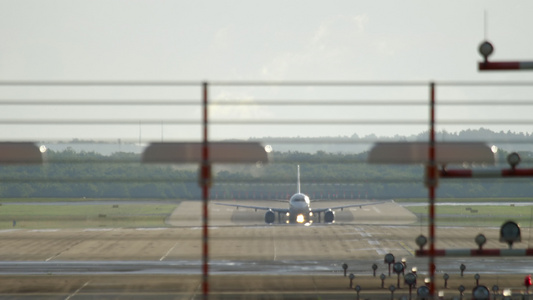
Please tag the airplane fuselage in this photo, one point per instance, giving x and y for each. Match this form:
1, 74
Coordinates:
299, 208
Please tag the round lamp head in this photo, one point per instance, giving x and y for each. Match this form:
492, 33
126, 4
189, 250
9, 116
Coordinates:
421, 241
513, 159
480, 240
510, 233
481, 292
486, 49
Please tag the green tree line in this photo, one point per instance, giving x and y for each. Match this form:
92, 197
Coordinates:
71, 174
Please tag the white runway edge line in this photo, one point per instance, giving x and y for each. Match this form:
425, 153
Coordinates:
77, 291
168, 252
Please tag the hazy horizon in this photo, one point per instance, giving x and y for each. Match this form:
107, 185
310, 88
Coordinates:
409, 44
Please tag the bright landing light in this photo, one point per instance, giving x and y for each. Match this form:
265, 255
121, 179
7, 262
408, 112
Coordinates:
300, 218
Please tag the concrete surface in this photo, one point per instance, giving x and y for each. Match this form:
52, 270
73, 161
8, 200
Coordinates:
304, 262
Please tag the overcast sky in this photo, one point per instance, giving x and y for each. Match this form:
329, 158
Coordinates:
256, 40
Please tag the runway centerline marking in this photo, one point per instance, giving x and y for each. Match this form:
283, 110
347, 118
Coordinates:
381, 251
52, 257
77, 291
376, 209
168, 252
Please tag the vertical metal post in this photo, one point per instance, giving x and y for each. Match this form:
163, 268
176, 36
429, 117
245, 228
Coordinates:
205, 181
432, 184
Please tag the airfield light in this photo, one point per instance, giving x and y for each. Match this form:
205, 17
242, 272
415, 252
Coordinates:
389, 259
392, 288
410, 280
421, 241
477, 277
374, 268
495, 289
357, 289
351, 276
42, 149
480, 292
398, 269
494, 149
486, 49
445, 277
423, 292
513, 159
507, 293
268, 148
480, 240
510, 233
462, 267
345, 267
382, 277
461, 289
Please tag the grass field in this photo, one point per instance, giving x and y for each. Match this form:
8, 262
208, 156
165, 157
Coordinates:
476, 215
460, 200
52, 213
81, 215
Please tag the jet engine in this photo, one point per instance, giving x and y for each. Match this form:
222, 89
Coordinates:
329, 216
270, 217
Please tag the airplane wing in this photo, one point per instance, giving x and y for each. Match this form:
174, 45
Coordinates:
274, 209
320, 210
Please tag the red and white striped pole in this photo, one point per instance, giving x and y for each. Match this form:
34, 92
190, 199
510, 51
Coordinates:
505, 66
206, 178
486, 173
476, 252
432, 185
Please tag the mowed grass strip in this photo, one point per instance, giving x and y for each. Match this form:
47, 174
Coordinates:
476, 215
461, 200
81, 215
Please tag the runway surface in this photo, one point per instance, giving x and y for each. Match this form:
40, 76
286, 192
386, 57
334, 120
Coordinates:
282, 261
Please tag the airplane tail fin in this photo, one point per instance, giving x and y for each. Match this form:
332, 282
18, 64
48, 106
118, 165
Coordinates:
298, 179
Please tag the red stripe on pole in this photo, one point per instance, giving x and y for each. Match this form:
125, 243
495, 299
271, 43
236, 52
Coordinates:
514, 65
486, 252
476, 252
206, 177
432, 185
486, 173
517, 172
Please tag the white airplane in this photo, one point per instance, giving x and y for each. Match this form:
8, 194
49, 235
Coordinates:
299, 210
